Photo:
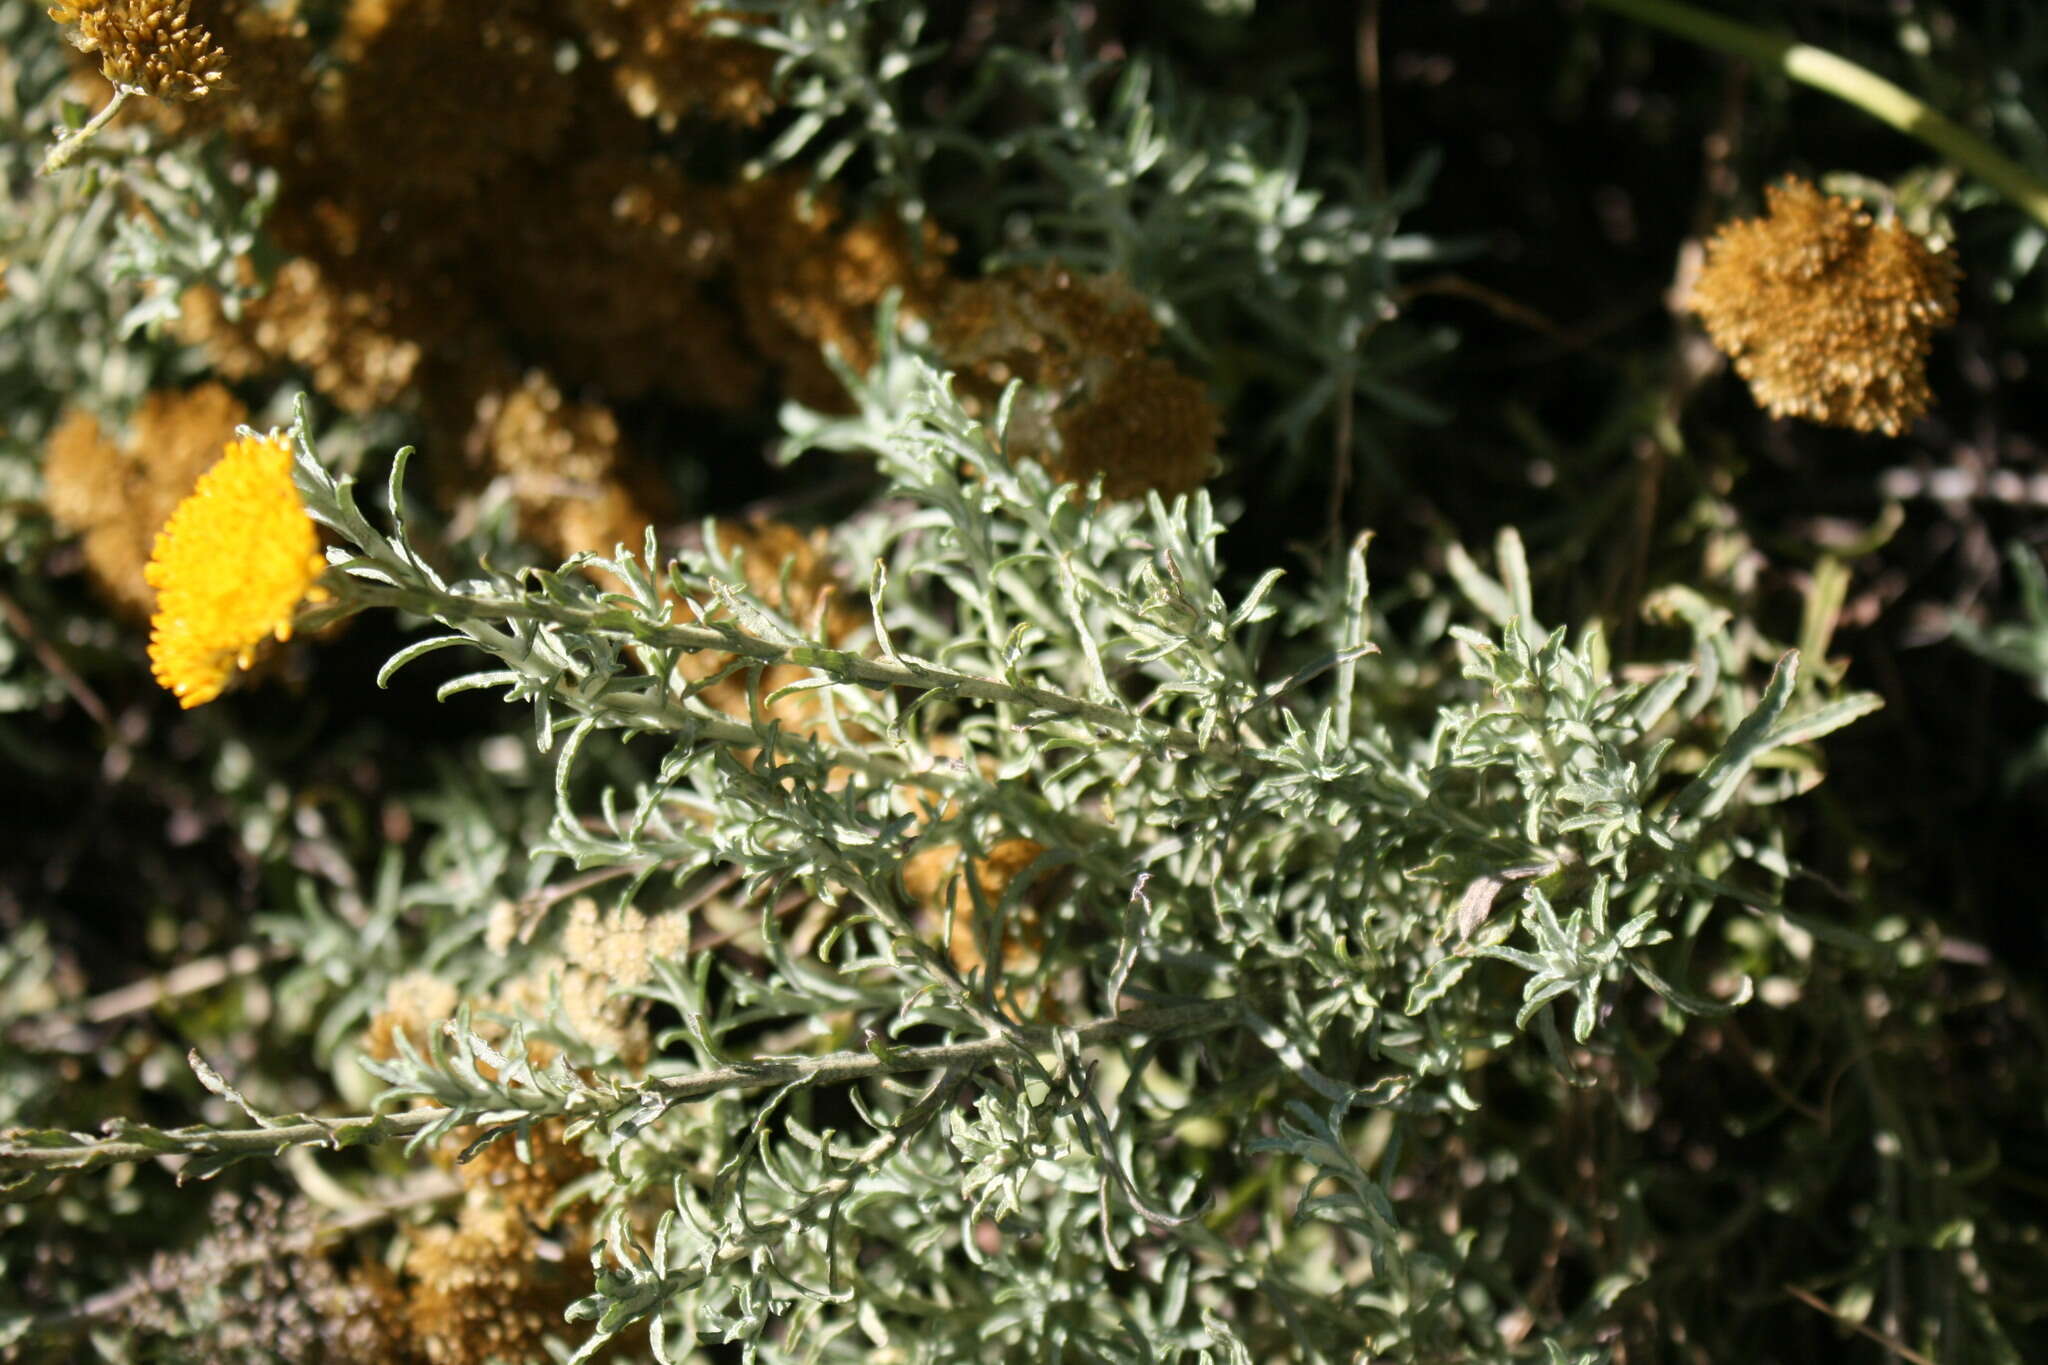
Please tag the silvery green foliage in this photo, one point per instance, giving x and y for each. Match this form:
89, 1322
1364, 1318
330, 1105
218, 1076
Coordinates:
60, 335
839, 69
58, 340
2019, 643
1316, 895
204, 223
28, 971
1215, 209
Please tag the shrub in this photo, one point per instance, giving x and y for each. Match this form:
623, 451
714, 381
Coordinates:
999, 875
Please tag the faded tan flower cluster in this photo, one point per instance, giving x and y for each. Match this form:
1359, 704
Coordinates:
515, 254
574, 483
417, 1005
149, 45
492, 1282
622, 946
479, 1290
1829, 315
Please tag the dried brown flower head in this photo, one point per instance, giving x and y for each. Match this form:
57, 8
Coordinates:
606, 1022
666, 65
1828, 315
529, 1185
116, 499
1145, 428
266, 102
480, 1291
1097, 400
1045, 325
347, 340
418, 1005
414, 1005
149, 45
85, 478
564, 463
600, 267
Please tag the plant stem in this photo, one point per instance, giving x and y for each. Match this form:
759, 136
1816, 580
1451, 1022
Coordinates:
59, 1028
69, 146
461, 611
833, 1068
1846, 81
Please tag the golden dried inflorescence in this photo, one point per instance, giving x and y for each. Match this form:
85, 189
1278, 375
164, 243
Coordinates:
807, 280
576, 987
561, 460
492, 1284
604, 267
519, 268
603, 1021
534, 1183
480, 1291
346, 340
231, 568
414, 1005
418, 132
1828, 315
622, 945
269, 82
149, 45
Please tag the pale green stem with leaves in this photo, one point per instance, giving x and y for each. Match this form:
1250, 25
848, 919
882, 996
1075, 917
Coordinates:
462, 611
70, 145
19, 1155
1846, 81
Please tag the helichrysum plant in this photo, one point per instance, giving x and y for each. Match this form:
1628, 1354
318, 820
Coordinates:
1236, 880
1017, 873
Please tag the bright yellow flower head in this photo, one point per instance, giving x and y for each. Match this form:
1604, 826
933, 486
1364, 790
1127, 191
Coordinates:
230, 569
